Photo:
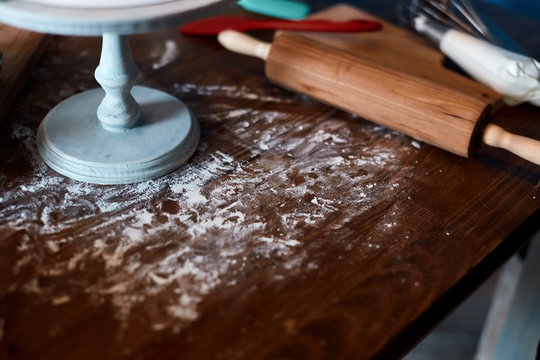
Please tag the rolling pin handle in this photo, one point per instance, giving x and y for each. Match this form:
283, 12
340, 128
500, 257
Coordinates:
526, 148
244, 44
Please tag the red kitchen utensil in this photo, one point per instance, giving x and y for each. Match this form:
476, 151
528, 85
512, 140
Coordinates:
215, 25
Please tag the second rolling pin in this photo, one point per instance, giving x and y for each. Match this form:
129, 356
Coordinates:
424, 110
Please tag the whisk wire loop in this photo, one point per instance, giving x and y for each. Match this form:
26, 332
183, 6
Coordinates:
456, 14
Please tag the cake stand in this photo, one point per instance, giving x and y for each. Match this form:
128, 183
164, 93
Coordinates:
119, 133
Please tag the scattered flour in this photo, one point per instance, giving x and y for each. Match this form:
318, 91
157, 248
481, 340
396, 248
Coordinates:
168, 55
232, 91
164, 245
60, 300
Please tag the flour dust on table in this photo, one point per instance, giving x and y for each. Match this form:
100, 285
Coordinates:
233, 91
165, 56
208, 206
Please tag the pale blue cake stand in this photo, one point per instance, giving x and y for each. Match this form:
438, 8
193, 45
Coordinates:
121, 133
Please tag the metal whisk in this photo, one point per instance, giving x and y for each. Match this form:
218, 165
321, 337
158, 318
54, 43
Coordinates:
456, 14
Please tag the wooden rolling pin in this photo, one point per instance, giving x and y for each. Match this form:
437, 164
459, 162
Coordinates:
424, 110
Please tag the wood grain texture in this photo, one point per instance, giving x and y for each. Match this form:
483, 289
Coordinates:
22, 51
440, 116
391, 47
353, 73
296, 231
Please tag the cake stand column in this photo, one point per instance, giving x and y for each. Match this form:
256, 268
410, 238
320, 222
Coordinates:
119, 133
116, 74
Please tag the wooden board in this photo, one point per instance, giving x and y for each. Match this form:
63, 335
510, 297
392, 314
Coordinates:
401, 50
22, 51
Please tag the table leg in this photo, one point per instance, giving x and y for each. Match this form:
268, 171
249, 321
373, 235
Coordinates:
514, 329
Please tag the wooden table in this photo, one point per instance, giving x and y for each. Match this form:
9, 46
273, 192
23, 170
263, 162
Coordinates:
295, 232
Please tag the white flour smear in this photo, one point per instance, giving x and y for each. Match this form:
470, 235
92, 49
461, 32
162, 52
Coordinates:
233, 91
165, 245
170, 53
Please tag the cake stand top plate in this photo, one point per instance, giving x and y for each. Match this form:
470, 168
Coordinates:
64, 20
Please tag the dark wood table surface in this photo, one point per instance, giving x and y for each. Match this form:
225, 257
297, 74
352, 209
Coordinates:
296, 231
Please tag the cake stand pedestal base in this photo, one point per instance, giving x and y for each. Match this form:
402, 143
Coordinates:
72, 140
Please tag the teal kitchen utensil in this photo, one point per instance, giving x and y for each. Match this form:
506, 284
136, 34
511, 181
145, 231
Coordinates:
283, 9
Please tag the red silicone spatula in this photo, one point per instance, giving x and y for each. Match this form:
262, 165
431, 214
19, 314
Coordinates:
215, 25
